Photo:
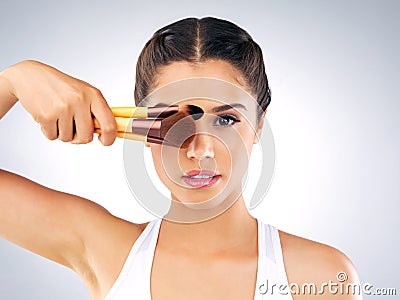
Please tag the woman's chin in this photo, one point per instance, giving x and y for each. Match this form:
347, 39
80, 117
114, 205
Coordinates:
195, 197
205, 194
202, 198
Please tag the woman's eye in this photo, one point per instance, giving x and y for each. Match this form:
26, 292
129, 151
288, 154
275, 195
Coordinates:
225, 120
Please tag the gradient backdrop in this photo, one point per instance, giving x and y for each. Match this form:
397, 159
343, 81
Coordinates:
333, 67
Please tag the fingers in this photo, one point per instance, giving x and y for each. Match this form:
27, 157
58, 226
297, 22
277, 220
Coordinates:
70, 119
65, 131
84, 127
105, 118
49, 128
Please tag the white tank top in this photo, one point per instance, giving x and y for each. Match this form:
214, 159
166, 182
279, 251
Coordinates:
134, 280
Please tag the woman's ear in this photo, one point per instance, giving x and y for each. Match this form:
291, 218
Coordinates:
259, 128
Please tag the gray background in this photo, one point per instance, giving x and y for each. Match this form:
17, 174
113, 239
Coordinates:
333, 67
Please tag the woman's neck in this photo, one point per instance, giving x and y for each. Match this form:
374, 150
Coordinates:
234, 229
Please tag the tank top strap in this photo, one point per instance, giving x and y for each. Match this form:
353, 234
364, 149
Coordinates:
271, 274
277, 246
262, 257
134, 276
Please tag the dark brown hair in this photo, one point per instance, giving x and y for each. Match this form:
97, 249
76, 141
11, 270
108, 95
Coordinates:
197, 40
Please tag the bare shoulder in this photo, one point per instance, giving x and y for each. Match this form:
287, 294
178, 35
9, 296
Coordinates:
310, 262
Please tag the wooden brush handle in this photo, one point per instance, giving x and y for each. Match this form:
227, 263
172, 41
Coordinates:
127, 135
123, 124
123, 116
130, 111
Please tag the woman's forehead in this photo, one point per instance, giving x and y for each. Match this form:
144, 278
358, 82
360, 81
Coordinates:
212, 68
199, 88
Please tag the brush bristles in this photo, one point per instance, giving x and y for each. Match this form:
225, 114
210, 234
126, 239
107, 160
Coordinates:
193, 110
163, 111
178, 129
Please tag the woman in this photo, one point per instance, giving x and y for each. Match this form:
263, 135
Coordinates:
230, 256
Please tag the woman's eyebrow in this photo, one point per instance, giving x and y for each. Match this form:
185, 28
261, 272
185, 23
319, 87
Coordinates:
228, 106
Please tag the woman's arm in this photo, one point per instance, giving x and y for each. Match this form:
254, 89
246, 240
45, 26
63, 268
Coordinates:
62, 227
45, 221
7, 99
66, 229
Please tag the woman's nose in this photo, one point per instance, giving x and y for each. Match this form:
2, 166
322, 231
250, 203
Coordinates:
201, 147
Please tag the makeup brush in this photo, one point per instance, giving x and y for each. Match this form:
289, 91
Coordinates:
179, 128
160, 111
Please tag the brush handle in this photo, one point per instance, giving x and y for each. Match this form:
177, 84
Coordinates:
123, 124
127, 135
130, 111
144, 112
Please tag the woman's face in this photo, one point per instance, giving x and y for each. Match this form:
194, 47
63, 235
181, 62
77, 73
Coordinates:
213, 165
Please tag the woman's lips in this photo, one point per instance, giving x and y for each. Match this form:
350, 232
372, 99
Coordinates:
201, 178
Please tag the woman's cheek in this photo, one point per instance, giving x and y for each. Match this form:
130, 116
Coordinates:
158, 165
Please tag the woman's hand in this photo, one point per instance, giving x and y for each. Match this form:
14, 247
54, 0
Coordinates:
63, 106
